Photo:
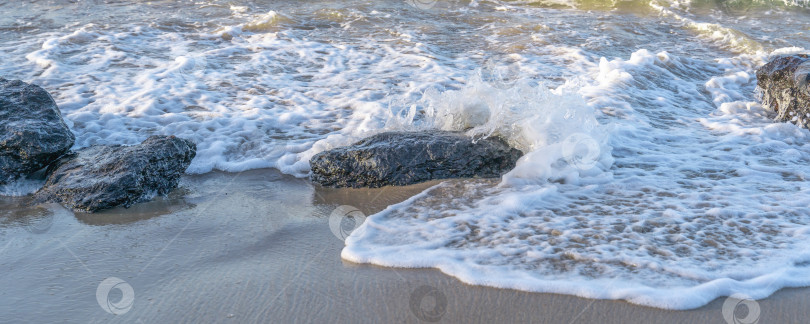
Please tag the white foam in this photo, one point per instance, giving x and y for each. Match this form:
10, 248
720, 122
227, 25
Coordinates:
652, 175
692, 209
548, 124
292, 99
20, 187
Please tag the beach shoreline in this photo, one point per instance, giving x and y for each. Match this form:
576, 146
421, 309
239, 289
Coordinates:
256, 246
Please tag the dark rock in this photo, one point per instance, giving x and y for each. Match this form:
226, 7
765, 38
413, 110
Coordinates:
785, 89
106, 176
403, 158
33, 132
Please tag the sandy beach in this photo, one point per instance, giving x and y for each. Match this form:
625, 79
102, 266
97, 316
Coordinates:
633, 161
256, 247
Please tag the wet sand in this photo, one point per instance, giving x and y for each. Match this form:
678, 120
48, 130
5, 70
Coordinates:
257, 247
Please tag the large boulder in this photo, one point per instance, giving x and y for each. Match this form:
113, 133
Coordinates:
33, 132
403, 158
106, 176
785, 89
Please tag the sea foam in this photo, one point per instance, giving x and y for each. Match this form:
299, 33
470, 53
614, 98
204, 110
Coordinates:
651, 172
691, 209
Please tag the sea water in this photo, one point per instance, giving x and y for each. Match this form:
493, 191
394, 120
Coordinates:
652, 173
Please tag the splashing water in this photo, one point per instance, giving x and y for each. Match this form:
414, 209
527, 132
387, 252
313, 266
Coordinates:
651, 173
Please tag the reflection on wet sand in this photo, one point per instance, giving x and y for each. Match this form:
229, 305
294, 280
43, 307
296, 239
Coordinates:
159, 206
368, 200
257, 247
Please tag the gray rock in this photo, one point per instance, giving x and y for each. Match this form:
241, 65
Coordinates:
784, 84
106, 176
403, 158
33, 132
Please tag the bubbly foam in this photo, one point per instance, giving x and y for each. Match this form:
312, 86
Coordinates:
290, 94
546, 123
651, 172
22, 187
694, 208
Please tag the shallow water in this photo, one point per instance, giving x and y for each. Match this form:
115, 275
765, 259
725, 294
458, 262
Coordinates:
652, 174
256, 247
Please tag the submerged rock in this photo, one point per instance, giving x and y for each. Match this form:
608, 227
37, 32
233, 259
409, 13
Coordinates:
784, 84
403, 158
33, 132
106, 176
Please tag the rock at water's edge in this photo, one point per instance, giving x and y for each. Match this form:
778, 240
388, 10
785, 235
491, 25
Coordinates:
106, 176
403, 158
33, 131
784, 84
